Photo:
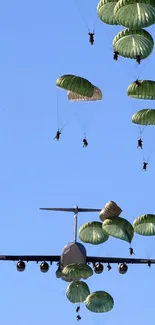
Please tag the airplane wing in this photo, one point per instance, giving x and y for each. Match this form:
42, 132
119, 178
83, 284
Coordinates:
118, 260
30, 258
75, 209
90, 259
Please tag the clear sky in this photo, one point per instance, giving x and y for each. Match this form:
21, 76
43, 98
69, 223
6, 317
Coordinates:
40, 41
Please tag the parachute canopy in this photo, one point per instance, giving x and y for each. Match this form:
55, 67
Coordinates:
105, 10
145, 225
77, 271
135, 14
97, 95
77, 291
131, 43
59, 275
73, 253
99, 302
145, 89
119, 228
76, 84
144, 117
110, 210
91, 232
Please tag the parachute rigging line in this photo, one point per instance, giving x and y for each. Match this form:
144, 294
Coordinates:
96, 20
69, 120
148, 158
57, 108
141, 129
82, 16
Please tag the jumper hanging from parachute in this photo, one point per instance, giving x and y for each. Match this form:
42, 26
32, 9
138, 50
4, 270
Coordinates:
134, 42
79, 90
91, 31
143, 89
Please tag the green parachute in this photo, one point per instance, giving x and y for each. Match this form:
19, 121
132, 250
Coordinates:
144, 117
135, 14
77, 271
79, 89
105, 10
131, 43
99, 302
145, 225
118, 228
77, 291
142, 89
91, 232
76, 84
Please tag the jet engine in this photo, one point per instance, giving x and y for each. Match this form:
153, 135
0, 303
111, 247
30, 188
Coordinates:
21, 266
98, 268
122, 269
44, 267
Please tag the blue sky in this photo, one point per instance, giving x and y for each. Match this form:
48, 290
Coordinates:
40, 41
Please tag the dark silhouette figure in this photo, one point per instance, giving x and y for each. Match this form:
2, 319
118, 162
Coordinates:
78, 318
137, 82
57, 137
131, 251
145, 165
140, 144
85, 142
115, 57
138, 59
91, 38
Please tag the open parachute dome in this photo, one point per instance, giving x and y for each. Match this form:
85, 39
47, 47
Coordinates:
92, 233
77, 271
131, 43
119, 228
135, 14
77, 291
145, 225
99, 302
144, 117
145, 89
76, 84
105, 10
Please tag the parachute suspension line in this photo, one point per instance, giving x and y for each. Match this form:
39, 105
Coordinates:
148, 157
81, 127
80, 12
69, 120
137, 67
57, 107
141, 129
143, 156
137, 76
151, 153
95, 23
89, 124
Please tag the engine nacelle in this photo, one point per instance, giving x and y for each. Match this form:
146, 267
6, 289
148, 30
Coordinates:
21, 266
122, 269
98, 268
44, 267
